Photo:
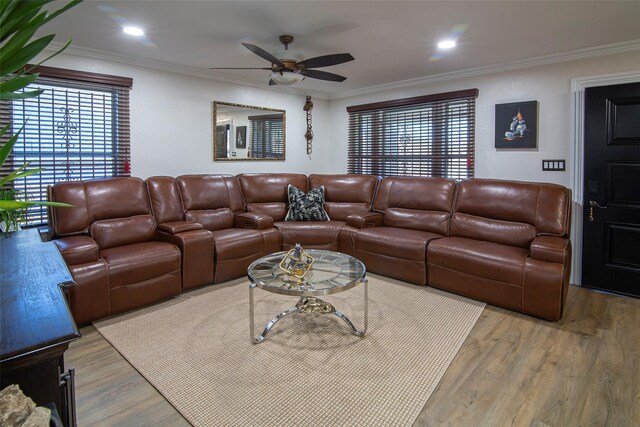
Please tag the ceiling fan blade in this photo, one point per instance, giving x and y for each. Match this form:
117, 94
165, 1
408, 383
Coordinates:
326, 60
263, 54
272, 82
239, 68
323, 75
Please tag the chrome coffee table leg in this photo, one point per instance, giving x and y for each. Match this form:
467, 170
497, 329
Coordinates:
348, 321
319, 306
259, 339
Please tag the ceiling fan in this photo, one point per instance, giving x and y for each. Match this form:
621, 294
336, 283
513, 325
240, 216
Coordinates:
289, 66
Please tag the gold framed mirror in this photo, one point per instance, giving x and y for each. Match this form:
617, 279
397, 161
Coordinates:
247, 132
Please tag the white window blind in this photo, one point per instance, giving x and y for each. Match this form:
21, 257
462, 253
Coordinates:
77, 129
431, 135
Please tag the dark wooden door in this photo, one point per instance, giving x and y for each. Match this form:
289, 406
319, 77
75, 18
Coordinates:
611, 216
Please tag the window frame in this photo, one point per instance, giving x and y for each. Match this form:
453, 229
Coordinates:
83, 85
370, 130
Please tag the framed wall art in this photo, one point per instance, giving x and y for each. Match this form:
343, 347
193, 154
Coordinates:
241, 137
517, 125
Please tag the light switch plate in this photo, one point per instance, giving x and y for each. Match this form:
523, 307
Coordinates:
554, 165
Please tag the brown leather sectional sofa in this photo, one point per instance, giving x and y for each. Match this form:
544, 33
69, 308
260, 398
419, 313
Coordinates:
129, 242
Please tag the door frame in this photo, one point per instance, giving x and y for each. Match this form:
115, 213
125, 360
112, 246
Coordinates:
576, 158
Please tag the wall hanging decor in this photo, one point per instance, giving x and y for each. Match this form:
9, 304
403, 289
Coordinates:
517, 125
308, 106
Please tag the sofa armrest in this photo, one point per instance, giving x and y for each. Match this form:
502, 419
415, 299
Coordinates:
175, 227
551, 249
252, 220
197, 250
78, 249
366, 220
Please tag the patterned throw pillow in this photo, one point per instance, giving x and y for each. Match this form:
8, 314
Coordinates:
306, 207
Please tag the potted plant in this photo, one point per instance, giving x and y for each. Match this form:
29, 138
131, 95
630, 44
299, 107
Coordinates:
10, 218
19, 21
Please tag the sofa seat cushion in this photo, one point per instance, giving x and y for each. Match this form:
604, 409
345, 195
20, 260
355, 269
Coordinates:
140, 261
395, 242
310, 234
234, 243
488, 260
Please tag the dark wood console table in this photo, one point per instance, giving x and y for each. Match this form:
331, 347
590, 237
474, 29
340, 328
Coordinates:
36, 326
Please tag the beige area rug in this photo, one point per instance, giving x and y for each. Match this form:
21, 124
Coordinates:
310, 371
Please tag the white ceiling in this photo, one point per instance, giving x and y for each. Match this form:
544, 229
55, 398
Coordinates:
391, 41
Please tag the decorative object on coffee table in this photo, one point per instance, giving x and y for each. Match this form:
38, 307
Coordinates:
297, 262
517, 125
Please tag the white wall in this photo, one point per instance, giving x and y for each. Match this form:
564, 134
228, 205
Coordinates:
171, 118
171, 122
549, 85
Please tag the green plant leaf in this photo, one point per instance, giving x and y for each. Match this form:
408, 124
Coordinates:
20, 38
26, 54
19, 173
17, 82
52, 55
62, 10
6, 148
12, 204
21, 95
17, 18
19, 204
20, 16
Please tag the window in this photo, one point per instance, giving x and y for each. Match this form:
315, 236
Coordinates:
266, 136
429, 135
77, 129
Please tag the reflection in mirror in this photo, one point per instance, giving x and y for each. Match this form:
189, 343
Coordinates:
245, 132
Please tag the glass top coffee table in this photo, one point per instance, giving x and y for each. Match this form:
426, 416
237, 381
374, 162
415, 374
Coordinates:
332, 272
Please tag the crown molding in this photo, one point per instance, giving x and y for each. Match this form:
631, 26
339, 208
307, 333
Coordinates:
591, 52
153, 64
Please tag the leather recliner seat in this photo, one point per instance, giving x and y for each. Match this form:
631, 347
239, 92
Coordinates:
508, 245
109, 240
239, 238
409, 212
344, 195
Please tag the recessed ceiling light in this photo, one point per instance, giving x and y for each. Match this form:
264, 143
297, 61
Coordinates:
133, 31
446, 44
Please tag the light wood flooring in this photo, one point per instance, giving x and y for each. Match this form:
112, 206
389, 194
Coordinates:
512, 370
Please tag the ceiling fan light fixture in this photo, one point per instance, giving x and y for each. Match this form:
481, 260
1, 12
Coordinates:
446, 44
286, 77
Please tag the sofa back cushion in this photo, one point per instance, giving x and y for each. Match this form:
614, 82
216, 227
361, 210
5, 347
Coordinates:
345, 194
165, 199
209, 192
416, 203
210, 200
119, 197
110, 233
510, 212
492, 230
266, 193
68, 221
